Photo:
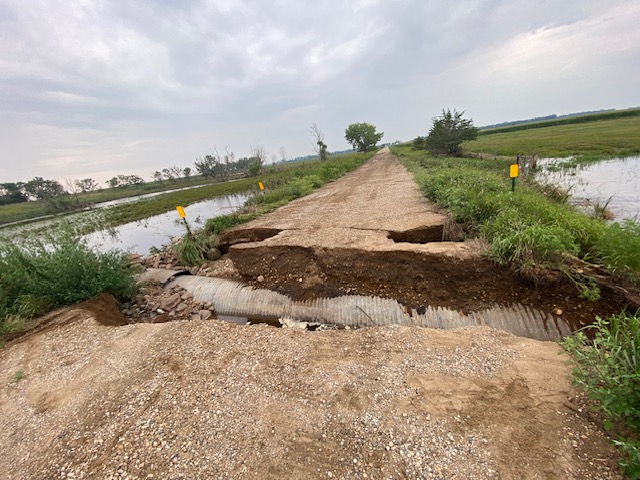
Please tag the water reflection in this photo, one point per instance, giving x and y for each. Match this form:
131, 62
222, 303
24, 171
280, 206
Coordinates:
614, 181
158, 230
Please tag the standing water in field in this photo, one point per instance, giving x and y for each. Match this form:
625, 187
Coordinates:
615, 183
158, 230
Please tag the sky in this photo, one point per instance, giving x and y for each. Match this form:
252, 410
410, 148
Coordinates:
97, 88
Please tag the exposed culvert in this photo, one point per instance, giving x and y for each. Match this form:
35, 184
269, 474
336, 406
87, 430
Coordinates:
233, 299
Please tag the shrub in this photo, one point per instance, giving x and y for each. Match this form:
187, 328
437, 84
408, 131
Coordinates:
56, 269
608, 370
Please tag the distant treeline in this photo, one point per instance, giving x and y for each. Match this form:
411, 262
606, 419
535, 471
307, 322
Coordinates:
554, 120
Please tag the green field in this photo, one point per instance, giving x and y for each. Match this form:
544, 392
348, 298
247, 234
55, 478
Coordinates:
587, 141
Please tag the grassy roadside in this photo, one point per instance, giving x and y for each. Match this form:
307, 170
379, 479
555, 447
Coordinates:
531, 230
43, 272
587, 141
607, 368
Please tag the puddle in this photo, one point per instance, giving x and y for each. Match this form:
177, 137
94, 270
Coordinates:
615, 183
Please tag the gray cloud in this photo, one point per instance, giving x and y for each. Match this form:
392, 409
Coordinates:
97, 88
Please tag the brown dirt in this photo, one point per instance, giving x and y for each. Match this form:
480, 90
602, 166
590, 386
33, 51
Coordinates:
206, 399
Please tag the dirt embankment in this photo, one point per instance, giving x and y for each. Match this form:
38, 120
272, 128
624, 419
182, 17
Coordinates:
207, 399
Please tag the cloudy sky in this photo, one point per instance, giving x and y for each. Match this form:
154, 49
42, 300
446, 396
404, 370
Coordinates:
95, 88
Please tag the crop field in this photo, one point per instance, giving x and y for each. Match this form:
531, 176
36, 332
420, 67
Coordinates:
588, 141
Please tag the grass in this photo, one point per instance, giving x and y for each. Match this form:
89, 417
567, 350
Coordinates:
587, 141
55, 269
608, 370
19, 375
526, 229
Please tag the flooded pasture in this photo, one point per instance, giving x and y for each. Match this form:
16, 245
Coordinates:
156, 231
614, 183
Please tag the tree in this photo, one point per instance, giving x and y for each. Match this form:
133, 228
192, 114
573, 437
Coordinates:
447, 134
258, 157
43, 189
319, 146
113, 182
168, 174
362, 136
11, 192
176, 171
283, 155
86, 185
49, 191
187, 173
157, 176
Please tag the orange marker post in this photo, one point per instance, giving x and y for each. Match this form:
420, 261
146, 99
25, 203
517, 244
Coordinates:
261, 186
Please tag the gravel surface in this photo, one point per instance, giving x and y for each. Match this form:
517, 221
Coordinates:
207, 399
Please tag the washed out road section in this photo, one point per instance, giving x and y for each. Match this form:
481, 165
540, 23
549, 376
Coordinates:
373, 233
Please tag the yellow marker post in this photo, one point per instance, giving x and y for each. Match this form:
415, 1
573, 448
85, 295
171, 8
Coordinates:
183, 216
513, 173
261, 185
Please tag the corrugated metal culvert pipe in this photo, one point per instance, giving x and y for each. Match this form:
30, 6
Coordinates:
234, 299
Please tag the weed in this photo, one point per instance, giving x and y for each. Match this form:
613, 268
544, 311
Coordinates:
217, 224
56, 269
194, 249
19, 375
602, 212
608, 370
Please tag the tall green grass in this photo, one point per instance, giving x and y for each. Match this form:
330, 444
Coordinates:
608, 370
55, 269
524, 229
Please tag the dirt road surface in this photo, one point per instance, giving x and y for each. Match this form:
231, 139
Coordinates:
87, 396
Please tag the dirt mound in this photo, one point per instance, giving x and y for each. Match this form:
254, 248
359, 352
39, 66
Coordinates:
206, 399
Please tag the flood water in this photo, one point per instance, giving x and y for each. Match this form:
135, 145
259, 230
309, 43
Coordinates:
614, 181
156, 231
